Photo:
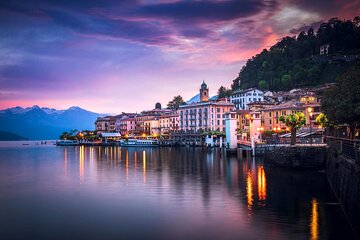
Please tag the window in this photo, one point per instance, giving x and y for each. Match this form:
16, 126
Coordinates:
218, 115
269, 114
218, 110
218, 122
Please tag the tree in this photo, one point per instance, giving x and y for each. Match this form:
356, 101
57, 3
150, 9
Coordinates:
262, 84
176, 102
322, 120
224, 92
341, 104
294, 121
286, 80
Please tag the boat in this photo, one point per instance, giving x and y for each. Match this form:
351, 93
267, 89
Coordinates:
67, 143
139, 143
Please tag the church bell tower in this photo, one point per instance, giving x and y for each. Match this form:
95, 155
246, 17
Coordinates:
204, 92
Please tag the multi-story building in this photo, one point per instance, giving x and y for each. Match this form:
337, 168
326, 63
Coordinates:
270, 116
119, 119
105, 124
168, 123
127, 125
243, 121
152, 127
312, 106
205, 115
241, 98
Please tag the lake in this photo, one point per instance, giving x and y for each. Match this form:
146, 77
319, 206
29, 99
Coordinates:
49, 192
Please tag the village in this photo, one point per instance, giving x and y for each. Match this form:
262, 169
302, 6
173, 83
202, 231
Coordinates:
256, 113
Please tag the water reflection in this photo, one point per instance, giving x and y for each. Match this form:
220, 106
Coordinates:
249, 191
261, 184
200, 181
65, 160
144, 165
81, 163
314, 221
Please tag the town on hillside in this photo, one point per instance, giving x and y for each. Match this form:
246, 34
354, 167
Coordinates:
257, 117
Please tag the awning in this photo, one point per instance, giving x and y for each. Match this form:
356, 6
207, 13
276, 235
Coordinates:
110, 135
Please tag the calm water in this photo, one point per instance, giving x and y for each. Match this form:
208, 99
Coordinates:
49, 192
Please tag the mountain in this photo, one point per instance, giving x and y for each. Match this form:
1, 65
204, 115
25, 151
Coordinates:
196, 99
38, 123
8, 136
309, 59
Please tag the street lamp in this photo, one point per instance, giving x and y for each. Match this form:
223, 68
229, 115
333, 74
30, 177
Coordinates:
310, 110
260, 129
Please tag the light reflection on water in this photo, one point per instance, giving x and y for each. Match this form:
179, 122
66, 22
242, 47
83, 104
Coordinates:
165, 192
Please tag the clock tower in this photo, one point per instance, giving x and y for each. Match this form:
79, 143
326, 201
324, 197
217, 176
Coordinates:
204, 92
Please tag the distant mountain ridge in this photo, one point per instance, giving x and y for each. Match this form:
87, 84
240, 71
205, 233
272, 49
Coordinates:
37, 123
8, 136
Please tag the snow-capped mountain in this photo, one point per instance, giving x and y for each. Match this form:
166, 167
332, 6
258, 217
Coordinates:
45, 123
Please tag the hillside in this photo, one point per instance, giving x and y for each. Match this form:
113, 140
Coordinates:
7, 136
296, 61
37, 123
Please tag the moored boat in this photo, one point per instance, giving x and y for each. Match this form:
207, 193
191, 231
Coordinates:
67, 143
139, 143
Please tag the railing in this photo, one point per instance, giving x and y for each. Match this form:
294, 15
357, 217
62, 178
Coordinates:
346, 147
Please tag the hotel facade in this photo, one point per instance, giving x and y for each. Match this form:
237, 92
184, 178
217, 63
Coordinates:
205, 115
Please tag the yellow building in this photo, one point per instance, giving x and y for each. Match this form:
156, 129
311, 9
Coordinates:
168, 123
270, 116
152, 127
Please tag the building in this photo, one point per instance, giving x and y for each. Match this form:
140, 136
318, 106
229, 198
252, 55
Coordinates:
119, 119
241, 98
204, 115
152, 127
127, 125
270, 116
105, 124
324, 49
312, 108
168, 123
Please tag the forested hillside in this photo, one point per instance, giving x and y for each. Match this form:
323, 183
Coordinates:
296, 61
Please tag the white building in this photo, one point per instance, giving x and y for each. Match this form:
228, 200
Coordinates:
241, 98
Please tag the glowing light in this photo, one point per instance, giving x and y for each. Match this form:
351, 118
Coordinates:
261, 184
82, 163
249, 191
144, 165
127, 165
143, 135
314, 220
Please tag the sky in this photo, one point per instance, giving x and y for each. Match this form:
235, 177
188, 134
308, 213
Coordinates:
112, 56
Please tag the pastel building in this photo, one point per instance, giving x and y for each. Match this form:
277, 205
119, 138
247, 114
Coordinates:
119, 120
204, 115
105, 124
241, 98
127, 125
168, 123
271, 115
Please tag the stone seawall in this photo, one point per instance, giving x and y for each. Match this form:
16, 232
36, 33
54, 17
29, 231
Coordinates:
296, 157
344, 177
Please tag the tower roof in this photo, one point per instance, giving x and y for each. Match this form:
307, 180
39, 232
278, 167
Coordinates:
203, 85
